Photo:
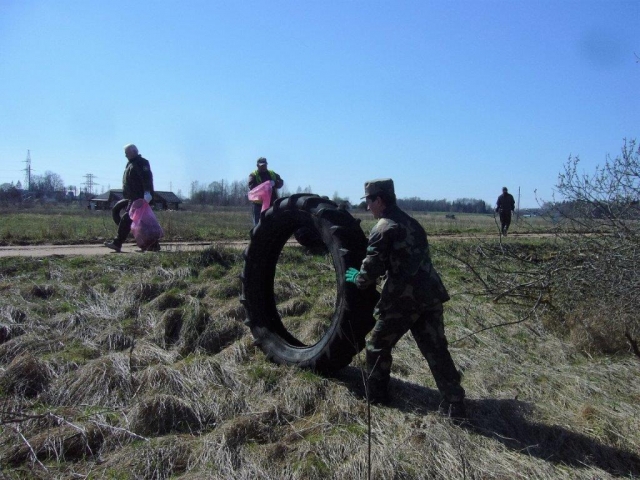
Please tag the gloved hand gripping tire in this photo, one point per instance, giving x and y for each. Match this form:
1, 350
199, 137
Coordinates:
351, 275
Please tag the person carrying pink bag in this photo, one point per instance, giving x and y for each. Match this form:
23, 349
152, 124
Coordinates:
137, 184
258, 178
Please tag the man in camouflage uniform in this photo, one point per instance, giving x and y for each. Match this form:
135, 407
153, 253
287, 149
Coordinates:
411, 298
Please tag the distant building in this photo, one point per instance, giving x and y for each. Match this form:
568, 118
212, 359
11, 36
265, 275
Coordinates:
163, 200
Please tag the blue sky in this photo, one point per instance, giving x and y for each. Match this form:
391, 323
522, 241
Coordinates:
452, 99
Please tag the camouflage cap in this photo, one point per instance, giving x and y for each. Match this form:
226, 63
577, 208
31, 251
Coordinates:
262, 161
378, 186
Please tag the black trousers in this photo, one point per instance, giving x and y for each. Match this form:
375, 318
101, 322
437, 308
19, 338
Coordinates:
124, 227
505, 220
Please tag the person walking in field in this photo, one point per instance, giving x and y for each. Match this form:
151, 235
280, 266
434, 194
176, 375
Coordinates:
260, 175
411, 299
137, 183
505, 205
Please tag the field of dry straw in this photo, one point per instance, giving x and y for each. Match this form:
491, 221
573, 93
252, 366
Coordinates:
139, 366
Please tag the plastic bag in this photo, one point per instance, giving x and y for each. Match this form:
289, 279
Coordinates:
144, 224
261, 193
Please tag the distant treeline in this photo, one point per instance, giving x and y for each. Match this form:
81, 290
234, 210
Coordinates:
461, 205
235, 194
225, 193
222, 193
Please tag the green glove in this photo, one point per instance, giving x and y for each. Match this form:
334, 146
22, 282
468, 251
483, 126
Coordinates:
351, 275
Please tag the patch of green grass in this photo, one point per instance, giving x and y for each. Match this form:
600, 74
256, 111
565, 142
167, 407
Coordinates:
311, 466
263, 372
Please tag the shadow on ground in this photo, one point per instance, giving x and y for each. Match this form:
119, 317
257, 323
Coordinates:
506, 422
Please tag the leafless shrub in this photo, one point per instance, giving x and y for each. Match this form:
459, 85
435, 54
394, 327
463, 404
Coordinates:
586, 281
161, 414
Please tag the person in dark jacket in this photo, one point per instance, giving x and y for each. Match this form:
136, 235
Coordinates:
411, 299
505, 206
260, 175
137, 183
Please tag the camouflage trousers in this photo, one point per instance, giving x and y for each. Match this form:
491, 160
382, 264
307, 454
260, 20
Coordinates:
427, 328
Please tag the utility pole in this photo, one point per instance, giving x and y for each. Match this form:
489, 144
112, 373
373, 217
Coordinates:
27, 176
89, 183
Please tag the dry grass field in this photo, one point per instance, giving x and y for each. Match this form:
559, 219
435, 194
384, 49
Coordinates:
72, 225
140, 367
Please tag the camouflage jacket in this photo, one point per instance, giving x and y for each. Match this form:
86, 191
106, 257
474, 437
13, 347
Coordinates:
398, 249
137, 178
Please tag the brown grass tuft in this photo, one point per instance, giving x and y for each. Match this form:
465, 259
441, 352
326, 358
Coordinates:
163, 379
196, 317
171, 322
105, 381
251, 428
161, 414
294, 308
160, 458
116, 341
7, 332
42, 291
63, 443
26, 375
144, 292
168, 300
35, 343
234, 310
219, 333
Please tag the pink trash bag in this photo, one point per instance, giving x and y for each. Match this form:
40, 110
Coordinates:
144, 226
261, 193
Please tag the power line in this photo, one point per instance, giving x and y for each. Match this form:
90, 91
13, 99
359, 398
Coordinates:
27, 176
89, 184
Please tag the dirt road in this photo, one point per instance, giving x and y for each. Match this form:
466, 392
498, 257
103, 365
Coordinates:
127, 248
99, 249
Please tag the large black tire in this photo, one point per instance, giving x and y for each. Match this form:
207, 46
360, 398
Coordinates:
311, 239
352, 318
116, 211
